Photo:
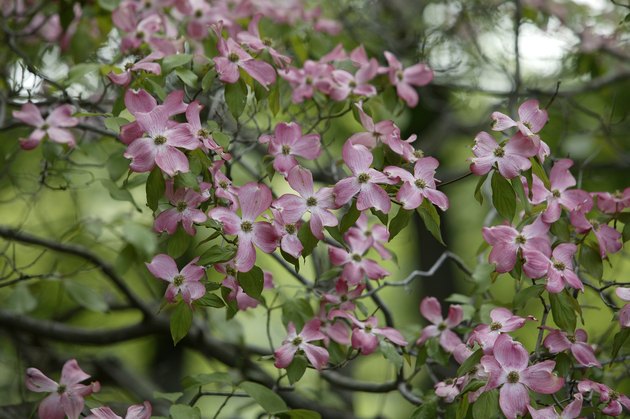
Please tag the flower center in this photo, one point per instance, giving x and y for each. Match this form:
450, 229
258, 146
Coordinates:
178, 280
595, 224
203, 133
368, 328
159, 139
614, 395
352, 84
223, 184
449, 381
233, 57
571, 339
356, 258
198, 13
297, 340
267, 42
499, 152
420, 183
140, 35
286, 150
181, 206
418, 154
246, 226
61, 389
344, 298
442, 326
513, 377
308, 80
494, 326
229, 270
128, 66
520, 239
399, 75
311, 202
290, 228
363, 178
559, 265
555, 193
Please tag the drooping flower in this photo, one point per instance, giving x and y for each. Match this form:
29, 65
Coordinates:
203, 135
345, 83
185, 282
615, 402
418, 186
450, 388
608, 239
571, 410
508, 368
613, 203
355, 265
405, 78
254, 199
510, 158
288, 142
624, 313
559, 341
295, 342
385, 132
363, 182
147, 64
432, 310
342, 296
307, 80
185, 202
377, 234
252, 40
506, 241
66, 397
137, 411
287, 228
365, 333
558, 269
54, 126
503, 321
318, 204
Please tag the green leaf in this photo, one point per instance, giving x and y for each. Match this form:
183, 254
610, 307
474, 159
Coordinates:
296, 369
79, 71
620, 339
561, 230
186, 180
299, 414
436, 352
503, 196
171, 397
187, 76
109, 5
562, 311
203, 379
217, 254
119, 194
181, 321
141, 238
626, 232
183, 411
270, 401
487, 405
431, 220
470, 362
21, 300
591, 261
117, 166
391, 354
382, 217
172, 61
526, 294
478, 192
208, 79
308, 240
298, 311
210, 300
274, 99
86, 296
252, 281
236, 98
335, 234
399, 222
538, 170
155, 188
349, 218
427, 410
114, 123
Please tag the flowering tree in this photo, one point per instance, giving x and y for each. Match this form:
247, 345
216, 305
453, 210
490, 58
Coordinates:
231, 177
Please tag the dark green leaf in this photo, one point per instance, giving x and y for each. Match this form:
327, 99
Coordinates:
487, 405
252, 281
171, 397
86, 296
390, 352
274, 99
181, 320
526, 294
236, 98
117, 166
270, 401
399, 222
217, 254
210, 300
427, 410
187, 76
299, 414
503, 196
155, 188
141, 238
183, 411
308, 240
562, 311
119, 194
172, 61
349, 218
298, 311
431, 219
470, 362
591, 261
203, 379
620, 339
478, 192
21, 300
208, 79
296, 369
178, 243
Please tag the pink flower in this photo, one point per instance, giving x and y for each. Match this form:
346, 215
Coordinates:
558, 269
365, 334
418, 186
54, 126
288, 142
202, 134
432, 310
254, 199
506, 241
364, 181
560, 179
137, 411
384, 132
532, 120
559, 341
510, 158
145, 64
416, 75
624, 314
287, 228
613, 203
571, 411
185, 202
342, 296
318, 204
232, 57
295, 342
355, 266
243, 301
333, 329
503, 321
615, 402
187, 281
252, 40
344, 83
449, 388
376, 234
66, 398
223, 185
608, 238
306, 81
508, 369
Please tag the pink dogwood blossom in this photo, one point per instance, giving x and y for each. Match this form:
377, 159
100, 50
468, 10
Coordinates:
203, 135
608, 239
254, 199
295, 342
450, 388
613, 203
420, 185
571, 410
405, 78
614, 401
185, 282
345, 83
559, 341
510, 158
377, 234
506, 241
185, 202
66, 397
287, 143
502, 321
624, 313
508, 368
531, 120
432, 310
287, 227
252, 40
137, 411
306, 81
147, 64
385, 132
558, 269
355, 265
54, 126
365, 333
342, 296
364, 181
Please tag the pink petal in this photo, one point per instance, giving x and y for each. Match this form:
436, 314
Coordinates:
139, 101
171, 160
560, 176
71, 373
510, 354
265, 237
260, 71
311, 331
501, 121
61, 136
301, 180
317, 356
357, 157
418, 75
373, 196
431, 309
529, 112
539, 377
556, 342
363, 341
51, 407
72, 404
284, 355
345, 189
245, 254
227, 70
584, 355
163, 266
513, 400
29, 114
392, 334
230, 221
142, 153
62, 117
36, 381
254, 198
407, 93
449, 340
